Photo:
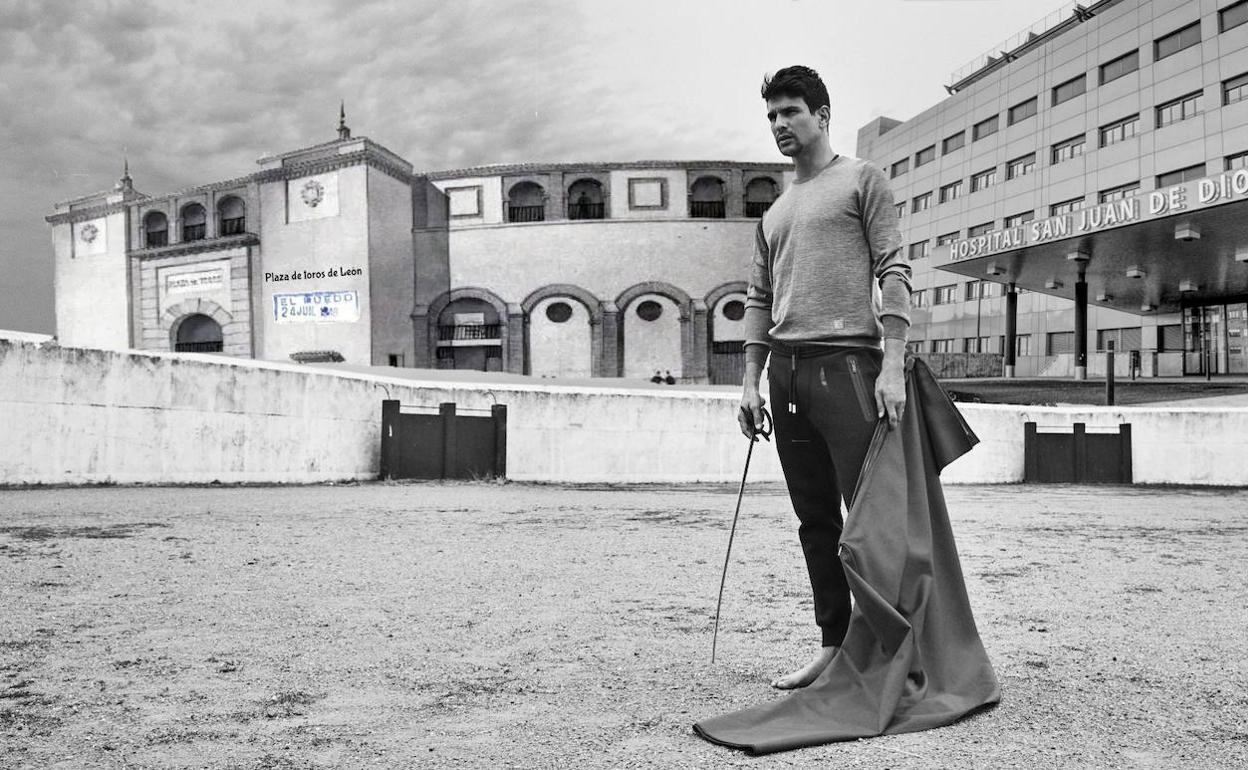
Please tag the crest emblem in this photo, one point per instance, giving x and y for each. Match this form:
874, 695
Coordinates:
89, 232
313, 193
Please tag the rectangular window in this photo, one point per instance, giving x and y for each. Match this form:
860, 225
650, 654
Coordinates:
972, 291
925, 155
944, 295
1022, 111
941, 240
1120, 130
1070, 89
979, 229
901, 209
1018, 219
986, 127
1179, 109
1068, 149
921, 202
1232, 16
1116, 68
1119, 192
984, 179
918, 250
955, 142
1180, 176
951, 191
942, 346
918, 298
1238, 160
1022, 344
1021, 166
1235, 89
977, 345
1065, 207
1060, 342
1176, 41
899, 168
1169, 337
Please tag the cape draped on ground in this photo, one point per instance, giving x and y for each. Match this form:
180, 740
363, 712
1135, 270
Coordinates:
912, 658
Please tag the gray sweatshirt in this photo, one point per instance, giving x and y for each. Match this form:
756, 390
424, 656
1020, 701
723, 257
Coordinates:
820, 247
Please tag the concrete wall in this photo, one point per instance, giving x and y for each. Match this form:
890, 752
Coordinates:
92, 305
391, 268
79, 416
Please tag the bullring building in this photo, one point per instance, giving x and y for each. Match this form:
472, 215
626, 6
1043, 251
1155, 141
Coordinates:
1084, 186
342, 252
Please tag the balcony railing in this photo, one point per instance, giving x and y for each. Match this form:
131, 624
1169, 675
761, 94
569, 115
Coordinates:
587, 211
194, 232
756, 208
526, 213
198, 347
236, 226
455, 333
157, 238
706, 209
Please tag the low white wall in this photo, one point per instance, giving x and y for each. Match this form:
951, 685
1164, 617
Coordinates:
78, 416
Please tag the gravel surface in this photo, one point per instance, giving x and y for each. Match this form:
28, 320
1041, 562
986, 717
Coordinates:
515, 625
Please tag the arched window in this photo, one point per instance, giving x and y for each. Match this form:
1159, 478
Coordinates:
526, 203
198, 334
233, 216
155, 229
194, 222
706, 198
585, 200
760, 193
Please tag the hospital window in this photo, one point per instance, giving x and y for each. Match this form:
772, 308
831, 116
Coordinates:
941, 240
1022, 344
945, 295
1232, 16
1022, 111
899, 168
1021, 166
951, 191
1065, 207
1118, 193
1060, 342
1120, 130
918, 298
901, 209
955, 142
1235, 89
986, 127
1169, 337
1018, 219
1238, 160
918, 250
942, 346
984, 179
921, 202
986, 227
925, 155
1126, 338
1179, 109
982, 290
1181, 176
1116, 68
1176, 41
977, 345
1068, 149
1070, 89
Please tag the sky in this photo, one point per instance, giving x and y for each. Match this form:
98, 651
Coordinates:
194, 93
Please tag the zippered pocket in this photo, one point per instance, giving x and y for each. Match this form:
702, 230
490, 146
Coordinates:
860, 389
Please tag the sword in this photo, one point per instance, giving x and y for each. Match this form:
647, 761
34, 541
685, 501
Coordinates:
765, 432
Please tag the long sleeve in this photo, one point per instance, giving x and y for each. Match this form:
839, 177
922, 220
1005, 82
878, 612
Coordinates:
888, 260
758, 298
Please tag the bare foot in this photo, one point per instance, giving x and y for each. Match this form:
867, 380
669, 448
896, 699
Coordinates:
808, 673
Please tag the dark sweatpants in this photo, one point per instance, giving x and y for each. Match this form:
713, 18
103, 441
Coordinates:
822, 448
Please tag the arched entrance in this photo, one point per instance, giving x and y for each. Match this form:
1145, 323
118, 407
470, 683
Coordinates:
727, 362
197, 333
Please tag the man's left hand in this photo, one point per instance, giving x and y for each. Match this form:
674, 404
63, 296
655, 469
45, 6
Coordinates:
890, 395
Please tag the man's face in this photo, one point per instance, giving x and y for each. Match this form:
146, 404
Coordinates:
793, 126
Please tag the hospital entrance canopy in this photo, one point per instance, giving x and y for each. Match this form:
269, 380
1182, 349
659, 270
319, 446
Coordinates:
1182, 245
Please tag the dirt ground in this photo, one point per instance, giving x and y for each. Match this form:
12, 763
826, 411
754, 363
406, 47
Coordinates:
530, 626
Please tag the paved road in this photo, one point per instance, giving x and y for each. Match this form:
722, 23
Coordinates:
484, 625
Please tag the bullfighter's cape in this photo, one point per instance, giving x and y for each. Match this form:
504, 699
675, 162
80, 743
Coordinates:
912, 658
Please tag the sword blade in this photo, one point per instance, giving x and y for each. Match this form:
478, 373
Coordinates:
731, 533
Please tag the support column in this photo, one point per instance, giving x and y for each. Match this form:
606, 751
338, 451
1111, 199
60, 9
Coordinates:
513, 355
695, 360
1011, 329
611, 362
1081, 326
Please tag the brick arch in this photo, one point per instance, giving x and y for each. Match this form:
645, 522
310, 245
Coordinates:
175, 314
723, 290
509, 318
441, 302
674, 293
591, 303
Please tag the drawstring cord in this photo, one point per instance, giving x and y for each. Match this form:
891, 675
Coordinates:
793, 386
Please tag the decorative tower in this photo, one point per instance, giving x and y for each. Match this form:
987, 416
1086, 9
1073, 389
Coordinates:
343, 132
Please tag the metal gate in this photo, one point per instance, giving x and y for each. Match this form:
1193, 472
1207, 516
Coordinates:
1077, 457
727, 362
445, 445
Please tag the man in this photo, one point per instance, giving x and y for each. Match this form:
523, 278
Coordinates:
826, 250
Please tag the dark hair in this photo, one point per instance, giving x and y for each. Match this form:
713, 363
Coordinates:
798, 82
